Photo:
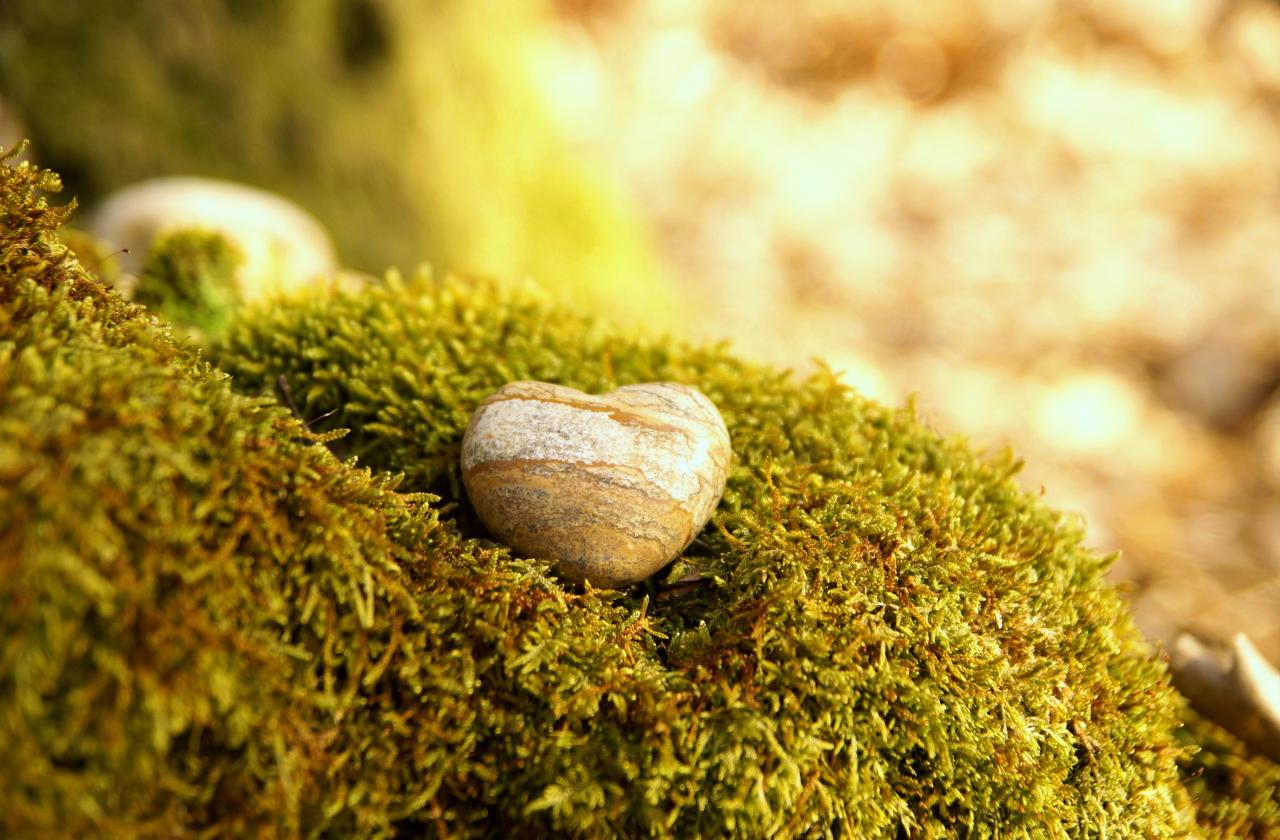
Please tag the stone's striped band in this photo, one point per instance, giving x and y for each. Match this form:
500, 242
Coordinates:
610, 487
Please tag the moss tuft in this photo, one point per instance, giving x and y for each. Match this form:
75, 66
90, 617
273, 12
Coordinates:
158, 534
29, 243
189, 279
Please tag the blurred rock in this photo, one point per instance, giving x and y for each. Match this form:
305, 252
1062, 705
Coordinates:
1218, 381
1235, 686
1268, 449
284, 247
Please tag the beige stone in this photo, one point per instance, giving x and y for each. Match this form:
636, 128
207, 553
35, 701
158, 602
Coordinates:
285, 248
610, 487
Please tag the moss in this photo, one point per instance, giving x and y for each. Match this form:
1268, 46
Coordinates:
151, 524
210, 624
892, 637
360, 111
189, 279
1236, 795
29, 225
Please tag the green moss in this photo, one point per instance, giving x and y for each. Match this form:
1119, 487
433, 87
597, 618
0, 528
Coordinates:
209, 624
893, 637
151, 525
29, 244
189, 279
410, 129
1236, 795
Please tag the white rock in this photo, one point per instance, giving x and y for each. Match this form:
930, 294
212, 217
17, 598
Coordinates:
285, 248
611, 487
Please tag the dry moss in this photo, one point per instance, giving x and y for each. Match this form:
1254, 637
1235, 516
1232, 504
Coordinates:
210, 624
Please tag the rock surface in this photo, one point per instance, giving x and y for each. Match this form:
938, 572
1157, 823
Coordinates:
611, 487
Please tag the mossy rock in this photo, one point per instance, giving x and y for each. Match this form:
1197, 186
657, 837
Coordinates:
410, 129
211, 624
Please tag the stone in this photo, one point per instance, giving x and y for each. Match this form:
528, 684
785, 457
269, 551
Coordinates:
610, 487
284, 247
1232, 685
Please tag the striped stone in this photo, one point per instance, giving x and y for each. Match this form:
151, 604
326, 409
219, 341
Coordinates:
610, 487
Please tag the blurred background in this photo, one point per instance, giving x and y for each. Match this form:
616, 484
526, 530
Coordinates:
1056, 224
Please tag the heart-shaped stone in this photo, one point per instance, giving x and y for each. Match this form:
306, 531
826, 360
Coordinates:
610, 487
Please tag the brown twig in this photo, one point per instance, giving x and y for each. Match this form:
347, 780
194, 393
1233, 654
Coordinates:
283, 384
678, 587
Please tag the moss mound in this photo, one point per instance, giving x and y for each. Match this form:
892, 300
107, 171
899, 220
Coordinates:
158, 536
891, 636
210, 624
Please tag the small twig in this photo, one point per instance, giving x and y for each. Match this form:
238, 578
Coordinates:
287, 393
107, 257
677, 587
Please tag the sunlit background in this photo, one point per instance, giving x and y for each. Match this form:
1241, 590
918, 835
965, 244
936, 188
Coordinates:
1056, 224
